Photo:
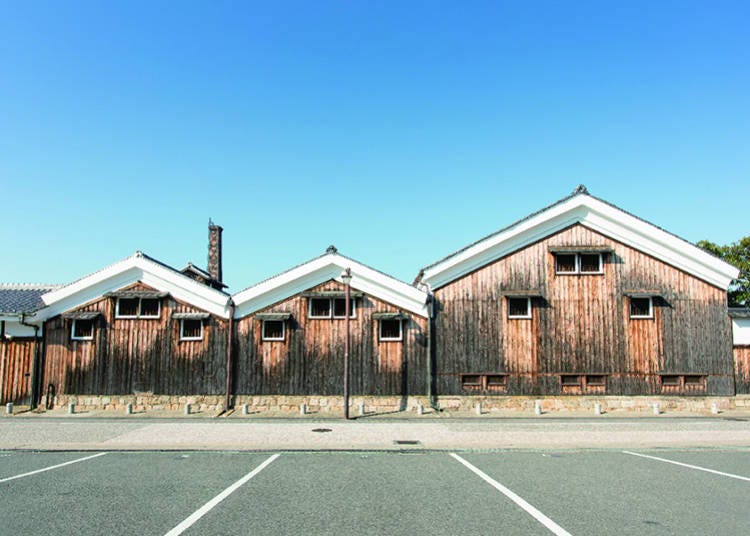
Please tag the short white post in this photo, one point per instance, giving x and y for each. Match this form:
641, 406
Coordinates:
71, 408
302, 408
361, 409
245, 409
187, 408
537, 408
715, 409
597, 409
420, 409
657, 411
479, 408
128, 409
9, 408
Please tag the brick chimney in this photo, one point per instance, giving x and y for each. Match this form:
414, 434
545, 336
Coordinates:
214, 250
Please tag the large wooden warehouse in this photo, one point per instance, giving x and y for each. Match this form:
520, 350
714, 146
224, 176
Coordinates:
580, 298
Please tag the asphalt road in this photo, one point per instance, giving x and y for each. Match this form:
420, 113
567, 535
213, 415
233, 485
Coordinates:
414, 492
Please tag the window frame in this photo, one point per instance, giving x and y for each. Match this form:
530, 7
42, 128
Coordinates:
525, 316
264, 337
158, 308
73, 324
182, 330
650, 314
577, 256
352, 310
564, 377
391, 339
138, 312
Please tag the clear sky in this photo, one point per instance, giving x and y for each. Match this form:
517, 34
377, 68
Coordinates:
397, 130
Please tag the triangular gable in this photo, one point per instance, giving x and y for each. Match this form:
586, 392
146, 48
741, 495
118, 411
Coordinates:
137, 267
596, 214
324, 268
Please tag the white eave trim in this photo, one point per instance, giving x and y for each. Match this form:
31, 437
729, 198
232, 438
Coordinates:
126, 272
598, 216
323, 269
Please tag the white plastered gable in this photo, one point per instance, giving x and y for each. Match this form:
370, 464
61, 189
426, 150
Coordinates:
322, 269
137, 267
597, 215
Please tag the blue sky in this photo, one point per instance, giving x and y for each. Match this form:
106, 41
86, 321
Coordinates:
398, 131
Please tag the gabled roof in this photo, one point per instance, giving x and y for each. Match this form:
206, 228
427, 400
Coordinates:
324, 268
137, 267
594, 213
22, 298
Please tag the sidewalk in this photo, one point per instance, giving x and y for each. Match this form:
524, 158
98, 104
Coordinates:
80, 432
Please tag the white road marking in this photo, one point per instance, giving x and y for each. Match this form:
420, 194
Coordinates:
203, 510
696, 467
52, 467
533, 512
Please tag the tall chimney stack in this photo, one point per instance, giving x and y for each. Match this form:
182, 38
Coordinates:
214, 250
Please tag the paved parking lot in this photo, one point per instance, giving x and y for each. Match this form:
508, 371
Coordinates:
664, 491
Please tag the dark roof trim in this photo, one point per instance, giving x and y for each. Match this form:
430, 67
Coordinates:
390, 316
137, 294
642, 293
81, 315
191, 316
273, 316
521, 293
580, 249
739, 312
331, 294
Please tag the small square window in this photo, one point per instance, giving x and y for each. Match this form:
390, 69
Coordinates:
339, 308
127, 308
694, 380
390, 329
82, 330
570, 380
641, 308
519, 307
565, 263
596, 380
191, 329
150, 308
671, 380
320, 308
496, 380
471, 380
274, 330
590, 263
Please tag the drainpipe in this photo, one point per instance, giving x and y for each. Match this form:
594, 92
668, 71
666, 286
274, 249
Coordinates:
230, 363
34, 362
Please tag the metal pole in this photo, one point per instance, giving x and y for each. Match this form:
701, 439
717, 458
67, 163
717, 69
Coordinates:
347, 308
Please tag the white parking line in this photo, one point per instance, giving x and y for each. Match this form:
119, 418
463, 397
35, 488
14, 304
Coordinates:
52, 467
536, 514
696, 467
203, 510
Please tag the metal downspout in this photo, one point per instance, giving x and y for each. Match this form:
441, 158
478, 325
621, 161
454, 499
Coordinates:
431, 395
230, 353
33, 380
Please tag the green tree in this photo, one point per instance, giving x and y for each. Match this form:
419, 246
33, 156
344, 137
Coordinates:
738, 254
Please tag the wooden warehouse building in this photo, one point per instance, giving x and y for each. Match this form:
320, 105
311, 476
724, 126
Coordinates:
580, 298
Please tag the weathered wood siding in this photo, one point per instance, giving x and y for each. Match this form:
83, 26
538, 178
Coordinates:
581, 324
742, 369
310, 359
16, 357
136, 355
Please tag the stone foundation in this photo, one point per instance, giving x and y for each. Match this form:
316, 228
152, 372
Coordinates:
323, 405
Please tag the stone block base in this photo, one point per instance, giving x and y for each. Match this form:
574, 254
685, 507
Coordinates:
323, 405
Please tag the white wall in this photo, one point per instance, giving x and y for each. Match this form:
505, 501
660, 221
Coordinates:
15, 329
741, 330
